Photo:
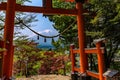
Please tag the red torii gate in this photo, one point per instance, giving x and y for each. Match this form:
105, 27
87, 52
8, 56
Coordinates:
11, 7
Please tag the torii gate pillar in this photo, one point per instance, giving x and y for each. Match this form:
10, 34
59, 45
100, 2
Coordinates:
81, 38
8, 38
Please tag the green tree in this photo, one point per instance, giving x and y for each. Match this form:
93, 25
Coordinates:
102, 21
27, 57
107, 21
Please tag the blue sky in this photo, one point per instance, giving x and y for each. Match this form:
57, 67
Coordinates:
43, 25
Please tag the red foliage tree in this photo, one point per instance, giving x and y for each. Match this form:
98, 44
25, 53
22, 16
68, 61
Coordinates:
52, 63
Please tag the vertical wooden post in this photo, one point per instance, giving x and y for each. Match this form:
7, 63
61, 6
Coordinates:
100, 61
72, 57
2, 54
74, 76
8, 38
48, 4
80, 23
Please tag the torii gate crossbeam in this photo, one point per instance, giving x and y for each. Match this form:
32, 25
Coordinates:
34, 9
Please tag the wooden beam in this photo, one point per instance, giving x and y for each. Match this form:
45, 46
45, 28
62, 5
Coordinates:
77, 69
76, 51
35, 9
100, 61
81, 39
93, 50
8, 38
93, 74
48, 4
72, 57
45, 10
2, 54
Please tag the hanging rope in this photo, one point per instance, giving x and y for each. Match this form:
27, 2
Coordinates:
20, 21
44, 35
